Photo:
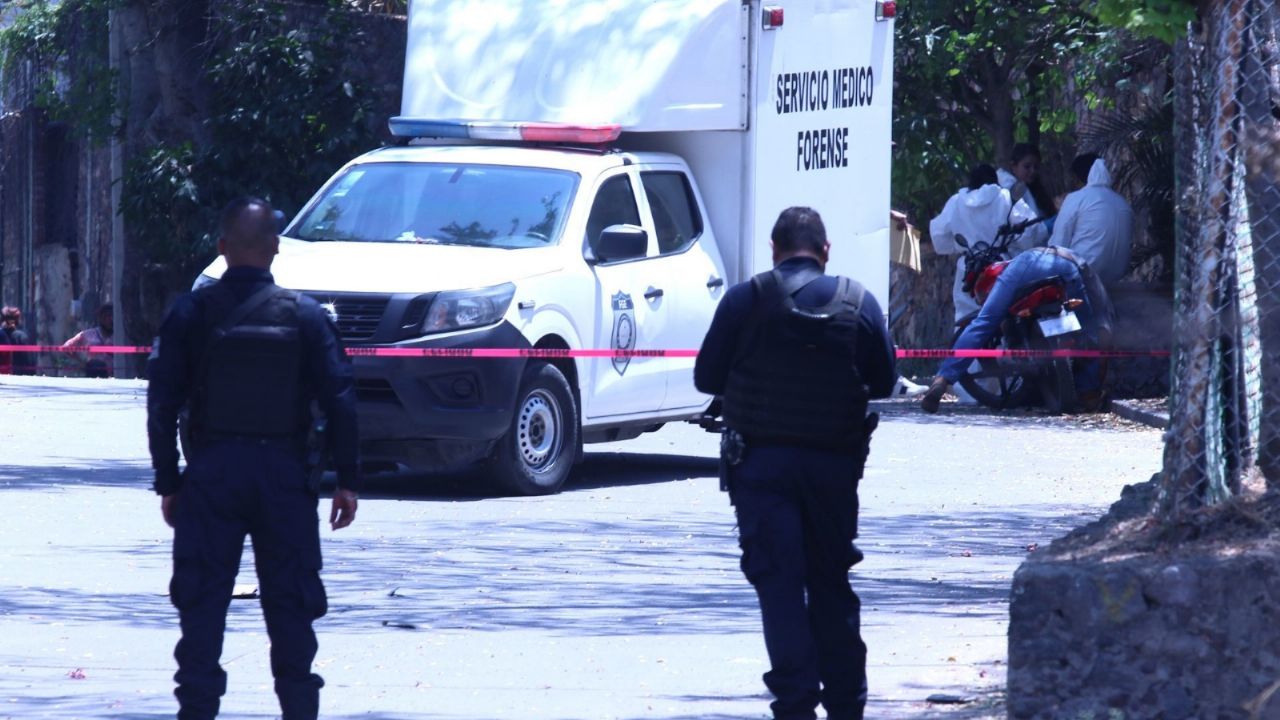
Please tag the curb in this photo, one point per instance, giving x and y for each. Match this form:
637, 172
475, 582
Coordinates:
1131, 411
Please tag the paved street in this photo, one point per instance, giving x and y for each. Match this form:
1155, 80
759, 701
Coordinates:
619, 598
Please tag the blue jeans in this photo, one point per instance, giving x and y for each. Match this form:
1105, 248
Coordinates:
1023, 270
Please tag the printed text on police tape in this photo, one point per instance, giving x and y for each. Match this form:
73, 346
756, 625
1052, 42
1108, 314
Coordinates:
902, 354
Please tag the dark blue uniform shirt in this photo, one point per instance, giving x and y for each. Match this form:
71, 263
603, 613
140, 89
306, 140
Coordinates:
875, 351
175, 359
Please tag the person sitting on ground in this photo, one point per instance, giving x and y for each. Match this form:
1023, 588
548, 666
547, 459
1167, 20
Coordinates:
101, 334
19, 363
1096, 223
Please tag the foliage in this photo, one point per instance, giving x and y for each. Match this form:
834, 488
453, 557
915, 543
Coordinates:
281, 119
1165, 20
389, 7
161, 201
1145, 138
973, 77
54, 56
1139, 147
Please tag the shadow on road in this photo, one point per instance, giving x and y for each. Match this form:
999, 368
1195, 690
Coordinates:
492, 575
986, 703
615, 469
103, 473
969, 556
597, 470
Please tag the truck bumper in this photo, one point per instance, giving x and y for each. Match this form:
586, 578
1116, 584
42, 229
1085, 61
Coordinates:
454, 401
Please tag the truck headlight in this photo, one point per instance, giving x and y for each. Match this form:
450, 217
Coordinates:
468, 308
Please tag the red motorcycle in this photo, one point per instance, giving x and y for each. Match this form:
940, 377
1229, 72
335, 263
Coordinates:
1042, 317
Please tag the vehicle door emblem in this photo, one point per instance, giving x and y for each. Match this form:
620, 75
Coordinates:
624, 330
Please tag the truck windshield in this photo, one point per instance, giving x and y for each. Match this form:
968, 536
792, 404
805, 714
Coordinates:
444, 204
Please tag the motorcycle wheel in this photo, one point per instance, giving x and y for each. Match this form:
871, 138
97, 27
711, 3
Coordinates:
992, 384
1058, 387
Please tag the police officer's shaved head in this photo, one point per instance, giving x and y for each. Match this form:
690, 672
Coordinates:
799, 230
247, 232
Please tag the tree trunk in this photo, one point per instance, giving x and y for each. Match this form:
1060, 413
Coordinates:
1260, 97
998, 91
166, 100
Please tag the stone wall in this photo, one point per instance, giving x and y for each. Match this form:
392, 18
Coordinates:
1111, 631
1144, 323
920, 307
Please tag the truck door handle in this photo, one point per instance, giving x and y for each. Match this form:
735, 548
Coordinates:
715, 282
653, 293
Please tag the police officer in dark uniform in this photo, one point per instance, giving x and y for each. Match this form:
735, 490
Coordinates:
252, 363
795, 355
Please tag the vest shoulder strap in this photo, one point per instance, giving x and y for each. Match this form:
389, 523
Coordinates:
851, 293
251, 303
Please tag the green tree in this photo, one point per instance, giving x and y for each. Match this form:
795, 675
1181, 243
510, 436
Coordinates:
51, 57
974, 77
281, 117
1165, 20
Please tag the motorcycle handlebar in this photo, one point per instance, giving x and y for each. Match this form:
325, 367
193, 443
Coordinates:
1019, 228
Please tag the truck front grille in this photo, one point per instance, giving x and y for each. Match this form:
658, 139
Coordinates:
358, 315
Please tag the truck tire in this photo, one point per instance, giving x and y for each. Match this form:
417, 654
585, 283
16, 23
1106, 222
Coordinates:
539, 450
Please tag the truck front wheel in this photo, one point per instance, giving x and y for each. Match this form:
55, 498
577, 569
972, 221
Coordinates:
537, 453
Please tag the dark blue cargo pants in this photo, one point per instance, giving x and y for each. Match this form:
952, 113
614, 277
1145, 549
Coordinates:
233, 489
797, 514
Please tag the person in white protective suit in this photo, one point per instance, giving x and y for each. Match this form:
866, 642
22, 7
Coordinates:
1096, 223
976, 213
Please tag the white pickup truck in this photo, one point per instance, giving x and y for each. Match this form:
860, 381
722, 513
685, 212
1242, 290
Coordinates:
586, 175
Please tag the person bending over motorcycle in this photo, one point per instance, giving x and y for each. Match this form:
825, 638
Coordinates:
1030, 267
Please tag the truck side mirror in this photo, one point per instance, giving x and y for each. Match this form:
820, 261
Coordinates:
620, 242
282, 220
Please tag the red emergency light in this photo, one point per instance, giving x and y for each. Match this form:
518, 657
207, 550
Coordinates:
886, 9
772, 17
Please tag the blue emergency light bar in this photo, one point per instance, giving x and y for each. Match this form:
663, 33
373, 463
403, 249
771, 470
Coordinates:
502, 130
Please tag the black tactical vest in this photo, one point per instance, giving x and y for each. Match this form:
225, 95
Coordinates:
795, 378
250, 377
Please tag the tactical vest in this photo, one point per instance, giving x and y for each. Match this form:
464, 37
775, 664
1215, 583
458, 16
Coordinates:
249, 382
794, 378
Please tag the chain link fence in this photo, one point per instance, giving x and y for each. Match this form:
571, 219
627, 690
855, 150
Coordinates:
1225, 400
